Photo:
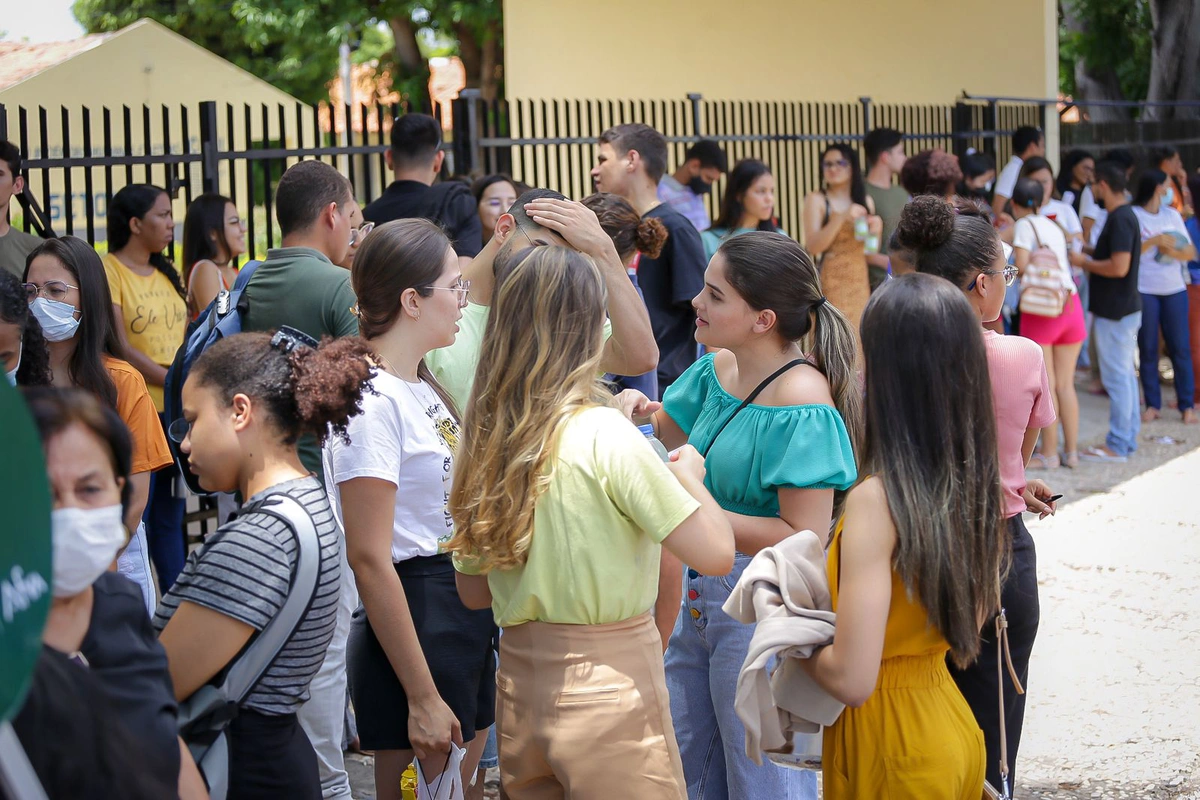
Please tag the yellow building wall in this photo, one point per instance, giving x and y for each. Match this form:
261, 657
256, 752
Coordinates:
895, 51
149, 65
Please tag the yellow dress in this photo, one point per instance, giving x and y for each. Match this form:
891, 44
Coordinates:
915, 737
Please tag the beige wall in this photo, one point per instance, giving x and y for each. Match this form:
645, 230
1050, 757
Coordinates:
895, 51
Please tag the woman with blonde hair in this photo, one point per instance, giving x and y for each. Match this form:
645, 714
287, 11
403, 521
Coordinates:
560, 505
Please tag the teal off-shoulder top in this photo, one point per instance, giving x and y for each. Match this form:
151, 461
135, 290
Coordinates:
764, 448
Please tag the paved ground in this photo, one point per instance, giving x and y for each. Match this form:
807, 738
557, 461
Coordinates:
1114, 703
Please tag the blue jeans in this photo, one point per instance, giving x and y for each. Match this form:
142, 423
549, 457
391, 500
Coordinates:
164, 525
1170, 312
1116, 348
703, 661
1085, 358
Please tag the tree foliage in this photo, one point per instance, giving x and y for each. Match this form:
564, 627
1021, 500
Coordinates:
1105, 37
293, 44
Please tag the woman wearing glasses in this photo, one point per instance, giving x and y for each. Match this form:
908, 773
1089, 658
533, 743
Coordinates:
68, 293
494, 195
1061, 336
835, 237
359, 228
958, 243
214, 235
421, 665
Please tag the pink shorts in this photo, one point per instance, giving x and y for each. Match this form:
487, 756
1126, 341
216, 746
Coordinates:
1067, 328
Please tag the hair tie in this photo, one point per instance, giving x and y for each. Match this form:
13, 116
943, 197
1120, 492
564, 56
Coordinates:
287, 339
356, 311
822, 300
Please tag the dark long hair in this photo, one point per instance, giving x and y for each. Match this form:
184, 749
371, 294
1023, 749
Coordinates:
743, 176
1148, 183
97, 334
14, 309
134, 202
398, 255
858, 187
931, 440
205, 219
953, 242
1066, 172
770, 270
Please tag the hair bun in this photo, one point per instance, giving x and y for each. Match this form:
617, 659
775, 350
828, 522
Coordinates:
925, 224
651, 236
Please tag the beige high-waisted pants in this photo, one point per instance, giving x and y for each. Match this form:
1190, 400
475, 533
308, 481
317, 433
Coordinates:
582, 712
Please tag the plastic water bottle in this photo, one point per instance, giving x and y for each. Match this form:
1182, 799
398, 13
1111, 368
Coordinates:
659, 448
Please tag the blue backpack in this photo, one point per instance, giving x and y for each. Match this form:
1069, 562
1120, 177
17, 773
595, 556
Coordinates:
222, 318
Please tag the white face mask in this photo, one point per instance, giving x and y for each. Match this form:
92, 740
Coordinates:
12, 373
57, 319
86, 540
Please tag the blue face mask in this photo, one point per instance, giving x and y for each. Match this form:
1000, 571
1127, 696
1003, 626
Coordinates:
57, 319
12, 373
1169, 196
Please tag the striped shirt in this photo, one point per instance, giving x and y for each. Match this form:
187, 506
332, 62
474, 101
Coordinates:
244, 571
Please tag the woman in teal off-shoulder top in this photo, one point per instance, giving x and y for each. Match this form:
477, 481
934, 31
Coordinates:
773, 466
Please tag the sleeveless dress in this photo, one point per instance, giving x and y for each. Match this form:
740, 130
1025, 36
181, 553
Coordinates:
844, 275
915, 737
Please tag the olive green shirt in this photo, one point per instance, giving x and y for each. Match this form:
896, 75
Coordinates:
888, 205
15, 247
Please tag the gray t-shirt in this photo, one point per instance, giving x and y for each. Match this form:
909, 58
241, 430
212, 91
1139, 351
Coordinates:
244, 571
15, 247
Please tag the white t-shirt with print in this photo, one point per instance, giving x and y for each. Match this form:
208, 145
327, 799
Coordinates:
1062, 213
405, 436
1006, 181
1051, 236
1159, 274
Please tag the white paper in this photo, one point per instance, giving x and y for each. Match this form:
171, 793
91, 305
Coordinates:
448, 785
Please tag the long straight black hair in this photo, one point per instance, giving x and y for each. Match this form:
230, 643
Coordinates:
858, 187
204, 232
97, 334
743, 176
134, 202
931, 440
1148, 183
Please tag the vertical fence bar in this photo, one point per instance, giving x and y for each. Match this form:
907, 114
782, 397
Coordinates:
44, 140
209, 148
252, 200
185, 135
68, 194
89, 205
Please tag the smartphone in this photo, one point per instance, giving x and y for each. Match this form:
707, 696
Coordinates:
1054, 497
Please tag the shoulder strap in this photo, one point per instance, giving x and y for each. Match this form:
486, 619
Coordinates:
825, 221
249, 667
750, 398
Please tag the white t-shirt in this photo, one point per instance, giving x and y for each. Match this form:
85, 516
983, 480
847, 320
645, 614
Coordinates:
1006, 181
1088, 209
1159, 274
405, 436
1050, 236
1062, 213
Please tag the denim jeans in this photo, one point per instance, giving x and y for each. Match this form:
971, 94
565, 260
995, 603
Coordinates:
1116, 348
1170, 313
163, 518
703, 661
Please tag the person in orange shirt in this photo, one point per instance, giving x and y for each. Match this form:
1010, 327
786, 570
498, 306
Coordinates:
68, 293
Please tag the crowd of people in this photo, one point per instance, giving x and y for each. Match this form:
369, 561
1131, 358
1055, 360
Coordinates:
526, 447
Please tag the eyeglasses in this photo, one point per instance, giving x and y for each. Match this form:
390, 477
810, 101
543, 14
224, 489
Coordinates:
1009, 273
241, 223
499, 204
178, 430
841, 162
358, 234
51, 290
460, 286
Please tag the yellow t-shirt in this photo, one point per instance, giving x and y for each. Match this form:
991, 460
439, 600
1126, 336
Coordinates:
454, 366
597, 531
155, 314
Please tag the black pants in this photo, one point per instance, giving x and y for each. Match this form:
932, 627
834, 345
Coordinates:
271, 757
977, 683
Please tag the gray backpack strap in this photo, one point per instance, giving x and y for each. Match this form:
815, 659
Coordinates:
249, 667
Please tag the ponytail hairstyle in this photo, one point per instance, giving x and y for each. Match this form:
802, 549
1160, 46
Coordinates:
630, 232
539, 366
955, 242
34, 369
397, 256
97, 334
306, 390
931, 441
770, 270
134, 202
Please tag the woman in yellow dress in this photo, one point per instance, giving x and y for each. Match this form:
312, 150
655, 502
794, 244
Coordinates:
914, 564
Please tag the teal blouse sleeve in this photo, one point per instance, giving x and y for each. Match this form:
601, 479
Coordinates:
810, 449
684, 399
712, 240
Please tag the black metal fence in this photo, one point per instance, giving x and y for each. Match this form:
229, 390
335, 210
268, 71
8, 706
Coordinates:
77, 158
